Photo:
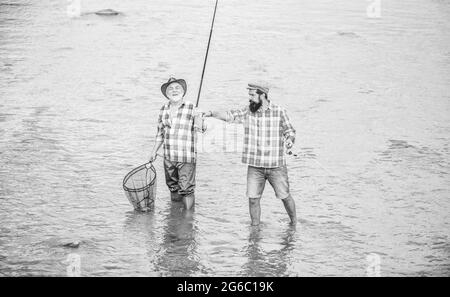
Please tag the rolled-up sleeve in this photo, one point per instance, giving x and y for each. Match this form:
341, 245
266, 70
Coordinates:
199, 124
288, 129
160, 128
237, 115
199, 121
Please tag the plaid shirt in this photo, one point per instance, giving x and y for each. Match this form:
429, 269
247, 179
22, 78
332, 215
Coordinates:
178, 133
264, 134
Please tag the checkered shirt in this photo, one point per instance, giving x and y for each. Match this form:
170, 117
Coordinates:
178, 134
265, 132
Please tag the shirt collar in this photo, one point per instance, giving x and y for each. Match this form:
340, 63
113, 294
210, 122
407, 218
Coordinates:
181, 105
269, 106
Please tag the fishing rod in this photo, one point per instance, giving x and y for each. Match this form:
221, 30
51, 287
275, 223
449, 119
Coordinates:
206, 55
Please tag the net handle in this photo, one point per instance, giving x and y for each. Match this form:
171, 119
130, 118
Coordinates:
157, 155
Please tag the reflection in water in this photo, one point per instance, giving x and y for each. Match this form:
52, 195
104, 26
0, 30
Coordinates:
139, 226
265, 262
178, 256
141, 234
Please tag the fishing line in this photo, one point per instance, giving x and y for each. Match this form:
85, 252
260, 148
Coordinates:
290, 153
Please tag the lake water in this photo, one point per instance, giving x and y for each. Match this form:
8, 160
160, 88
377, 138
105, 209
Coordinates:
369, 97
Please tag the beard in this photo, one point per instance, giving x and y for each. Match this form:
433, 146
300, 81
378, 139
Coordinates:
175, 99
255, 106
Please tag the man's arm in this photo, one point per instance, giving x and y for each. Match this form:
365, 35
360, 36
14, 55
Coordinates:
288, 130
221, 115
156, 147
199, 120
199, 123
236, 116
159, 139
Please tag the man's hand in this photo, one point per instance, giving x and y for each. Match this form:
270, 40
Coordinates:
153, 157
288, 144
220, 115
203, 113
198, 112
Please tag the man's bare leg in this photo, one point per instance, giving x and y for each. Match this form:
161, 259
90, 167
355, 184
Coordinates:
289, 205
255, 210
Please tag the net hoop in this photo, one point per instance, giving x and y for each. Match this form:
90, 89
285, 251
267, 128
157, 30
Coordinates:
127, 177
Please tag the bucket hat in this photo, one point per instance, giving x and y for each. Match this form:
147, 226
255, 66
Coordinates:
172, 80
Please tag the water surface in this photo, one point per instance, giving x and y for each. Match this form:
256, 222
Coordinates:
369, 98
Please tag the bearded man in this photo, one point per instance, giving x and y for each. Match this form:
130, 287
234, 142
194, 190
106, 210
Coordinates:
267, 132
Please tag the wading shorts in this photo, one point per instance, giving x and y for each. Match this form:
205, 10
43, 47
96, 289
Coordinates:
277, 177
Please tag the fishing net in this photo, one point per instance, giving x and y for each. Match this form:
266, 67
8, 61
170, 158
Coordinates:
140, 187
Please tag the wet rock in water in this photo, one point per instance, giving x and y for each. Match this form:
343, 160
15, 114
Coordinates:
73, 244
348, 34
107, 12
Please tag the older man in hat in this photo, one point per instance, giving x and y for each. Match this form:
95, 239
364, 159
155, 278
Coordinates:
267, 132
178, 123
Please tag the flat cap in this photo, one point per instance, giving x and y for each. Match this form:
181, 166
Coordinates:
259, 86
